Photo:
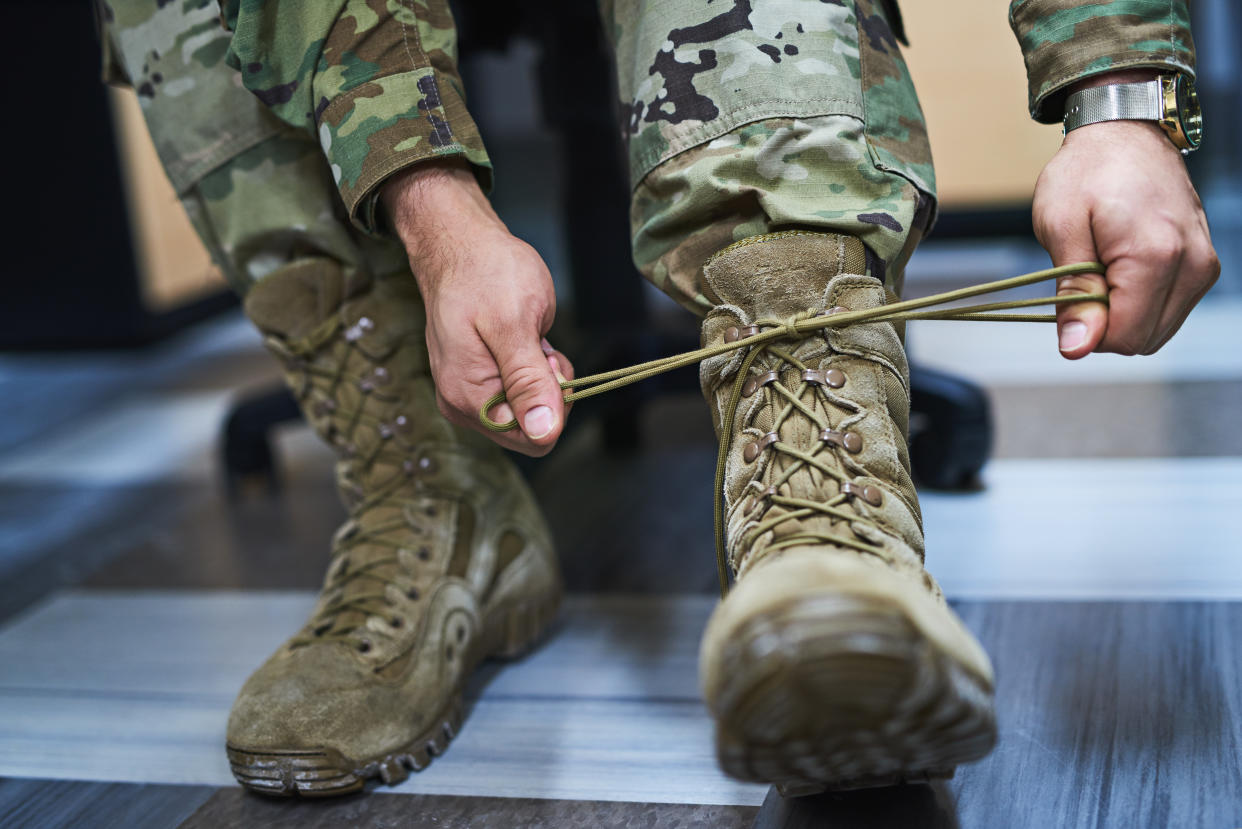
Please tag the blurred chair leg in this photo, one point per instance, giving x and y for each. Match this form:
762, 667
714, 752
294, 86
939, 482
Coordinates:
950, 429
246, 446
578, 96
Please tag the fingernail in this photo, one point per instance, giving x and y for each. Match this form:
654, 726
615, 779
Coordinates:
539, 422
546, 346
1073, 334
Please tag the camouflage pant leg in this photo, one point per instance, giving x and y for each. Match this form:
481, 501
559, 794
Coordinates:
258, 192
766, 114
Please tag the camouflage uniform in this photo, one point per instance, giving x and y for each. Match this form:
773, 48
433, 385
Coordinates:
740, 117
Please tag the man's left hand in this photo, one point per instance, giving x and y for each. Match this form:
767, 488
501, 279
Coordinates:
1118, 193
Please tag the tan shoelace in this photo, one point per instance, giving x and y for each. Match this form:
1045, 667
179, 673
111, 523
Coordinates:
798, 328
377, 568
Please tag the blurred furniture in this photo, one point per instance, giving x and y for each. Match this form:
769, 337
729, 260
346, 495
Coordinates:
82, 270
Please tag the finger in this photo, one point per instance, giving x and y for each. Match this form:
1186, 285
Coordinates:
501, 413
1197, 276
1080, 325
1139, 293
564, 376
532, 390
561, 366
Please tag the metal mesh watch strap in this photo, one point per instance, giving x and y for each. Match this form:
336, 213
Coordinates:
1116, 102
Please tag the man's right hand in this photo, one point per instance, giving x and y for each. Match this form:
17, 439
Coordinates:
490, 303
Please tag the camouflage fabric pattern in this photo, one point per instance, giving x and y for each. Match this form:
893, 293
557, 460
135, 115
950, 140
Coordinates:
374, 81
766, 114
257, 191
172, 55
1064, 41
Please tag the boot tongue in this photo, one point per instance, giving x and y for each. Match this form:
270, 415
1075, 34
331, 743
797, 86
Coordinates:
781, 274
291, 301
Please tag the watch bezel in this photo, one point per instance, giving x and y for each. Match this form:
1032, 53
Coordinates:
1181, 116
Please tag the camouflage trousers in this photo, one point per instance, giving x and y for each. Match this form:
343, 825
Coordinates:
740, 118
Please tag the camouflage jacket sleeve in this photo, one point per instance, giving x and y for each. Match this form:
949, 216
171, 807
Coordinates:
375, 81
1064, 41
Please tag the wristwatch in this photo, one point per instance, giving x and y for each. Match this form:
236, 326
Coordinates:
1169, 100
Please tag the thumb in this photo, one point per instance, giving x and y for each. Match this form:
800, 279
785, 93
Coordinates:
533, 392
1080, 325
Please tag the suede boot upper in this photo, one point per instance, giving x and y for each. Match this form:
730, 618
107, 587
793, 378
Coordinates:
443, 548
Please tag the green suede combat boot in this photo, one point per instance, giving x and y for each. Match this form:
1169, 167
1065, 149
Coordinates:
835, 662
445, 558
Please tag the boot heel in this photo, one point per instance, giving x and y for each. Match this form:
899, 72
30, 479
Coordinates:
516, 629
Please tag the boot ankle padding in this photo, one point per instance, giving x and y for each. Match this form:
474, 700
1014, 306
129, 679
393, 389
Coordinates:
292, 300
788, 271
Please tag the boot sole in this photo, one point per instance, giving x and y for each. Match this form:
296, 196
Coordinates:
326, 772
843, 692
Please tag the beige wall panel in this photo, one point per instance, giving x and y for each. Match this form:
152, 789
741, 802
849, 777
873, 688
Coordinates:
968, 69
174, 266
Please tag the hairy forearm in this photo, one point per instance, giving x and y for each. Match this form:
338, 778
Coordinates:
435, 207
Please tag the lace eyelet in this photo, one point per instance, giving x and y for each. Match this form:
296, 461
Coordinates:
753, 450
851, 442
753, 384
412, 594
364, 646
872, 495
733, 333
833, 378
396, 622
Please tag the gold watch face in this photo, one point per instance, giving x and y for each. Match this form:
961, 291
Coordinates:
1183, 118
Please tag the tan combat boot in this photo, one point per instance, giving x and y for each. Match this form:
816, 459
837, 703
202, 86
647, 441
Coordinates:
445, 559
835, 662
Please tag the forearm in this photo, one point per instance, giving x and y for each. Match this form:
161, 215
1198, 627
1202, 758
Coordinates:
1068, 43
434, 206
378, 90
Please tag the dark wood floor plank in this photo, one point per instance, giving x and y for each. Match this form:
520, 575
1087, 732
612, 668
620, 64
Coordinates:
1112, 714
235, 809
902, 807
1125, 715
52, 804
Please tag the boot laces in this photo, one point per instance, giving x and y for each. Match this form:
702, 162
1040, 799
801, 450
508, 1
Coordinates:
371, 558
810, 401
798, 328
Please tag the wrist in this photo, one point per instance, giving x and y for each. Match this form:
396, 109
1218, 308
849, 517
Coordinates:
434, 199
1139, 75
1120, 133
1127, 106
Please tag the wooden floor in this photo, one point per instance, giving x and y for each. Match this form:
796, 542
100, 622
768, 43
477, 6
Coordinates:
1135, 724
1100, 565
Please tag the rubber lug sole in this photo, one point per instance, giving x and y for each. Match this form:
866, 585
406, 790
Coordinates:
840, 693
326, 772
